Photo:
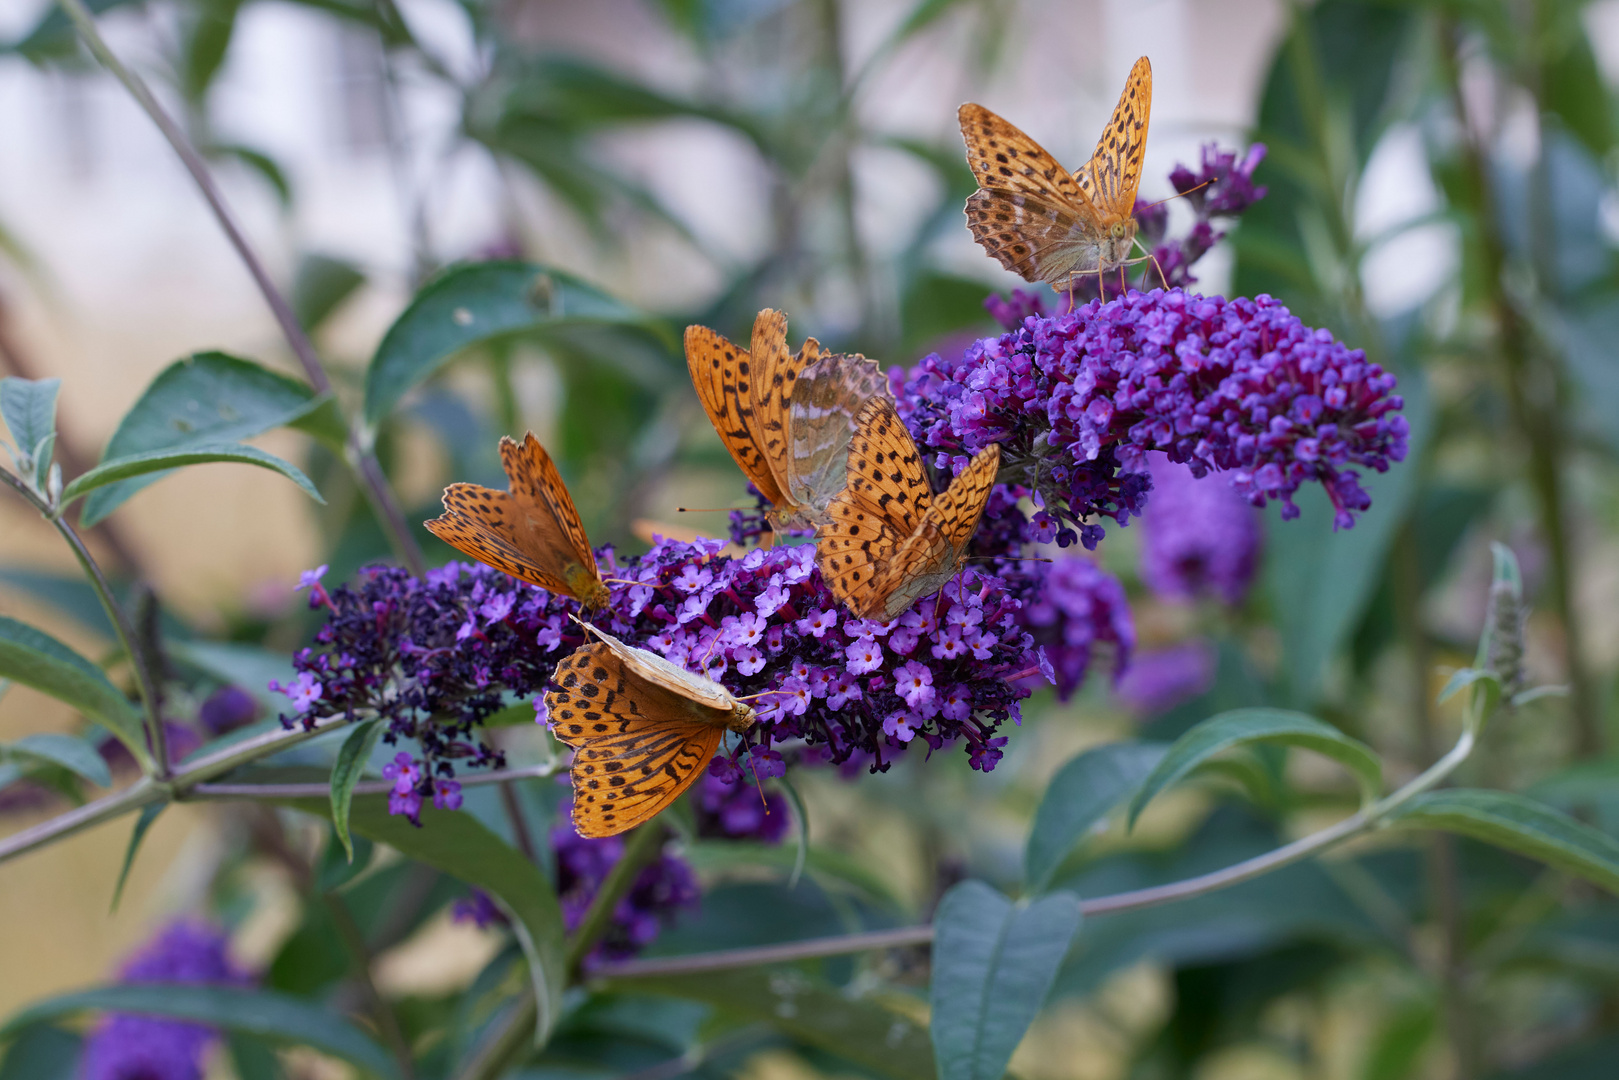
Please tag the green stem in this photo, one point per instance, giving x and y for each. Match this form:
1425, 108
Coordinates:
513, 1035
156, 744
361, 459
1359, 823
360, 964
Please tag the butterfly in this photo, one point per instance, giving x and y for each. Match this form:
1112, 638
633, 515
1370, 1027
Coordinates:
532, 532
1038, 220
642, 730
785, 417
891, 541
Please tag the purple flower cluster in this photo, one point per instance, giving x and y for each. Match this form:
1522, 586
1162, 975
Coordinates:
1222, 187
435, 656
126, 1047
662, 890
1201, 536
1077, 401
730, 808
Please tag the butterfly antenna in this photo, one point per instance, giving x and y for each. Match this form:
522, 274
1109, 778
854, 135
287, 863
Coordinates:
621, 581
1179, 194
759, 785
704, 509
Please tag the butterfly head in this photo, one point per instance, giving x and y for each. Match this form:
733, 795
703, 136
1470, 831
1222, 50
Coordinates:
742, 717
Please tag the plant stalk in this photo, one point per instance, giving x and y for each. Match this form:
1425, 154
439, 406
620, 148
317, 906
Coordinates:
360, 962
361, 458
156, 742
1354, 825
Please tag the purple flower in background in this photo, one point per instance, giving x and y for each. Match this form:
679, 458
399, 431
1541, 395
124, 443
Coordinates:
730, 807
1222, 186
479, 909
227, 709
1073, 606
1077, 401
661, 891
1201, 536
126, 1047
1160, 679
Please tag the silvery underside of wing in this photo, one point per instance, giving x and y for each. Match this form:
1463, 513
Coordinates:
654, 669
829, 394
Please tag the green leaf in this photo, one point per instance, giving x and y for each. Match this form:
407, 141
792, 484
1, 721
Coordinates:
110, 472
827, 867
1320, 580
993, 965
807, 1009
248, 666
29, 409
1243, 727
64, 750
43, 1053
459, 845
273, 1017
1082, 794
36, 659
253, 1059
148, 815
346, 770
1519, 825
467, 305
203, 400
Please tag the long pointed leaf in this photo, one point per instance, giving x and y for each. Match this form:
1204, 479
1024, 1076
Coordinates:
36, 659
993, 964
346, 770
110, 472
1083, 793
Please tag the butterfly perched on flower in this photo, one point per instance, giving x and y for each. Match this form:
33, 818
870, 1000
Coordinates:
785, 417
642, 730
891, 541
531, 532
1041, 221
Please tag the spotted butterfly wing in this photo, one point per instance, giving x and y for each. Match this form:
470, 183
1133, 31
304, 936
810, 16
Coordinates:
1112, 176
642, 730
890, 540
821, 420
531, 532
747, 395
1039, 220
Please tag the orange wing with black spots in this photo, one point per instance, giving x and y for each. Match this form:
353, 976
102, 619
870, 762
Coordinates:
642, 730
891, 541
1042, 222
727, 378
1112, 176
531, 532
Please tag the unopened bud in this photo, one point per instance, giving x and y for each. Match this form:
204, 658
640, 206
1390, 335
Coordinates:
1506, 618
53, 485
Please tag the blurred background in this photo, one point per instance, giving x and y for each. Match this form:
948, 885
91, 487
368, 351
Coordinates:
1441, 193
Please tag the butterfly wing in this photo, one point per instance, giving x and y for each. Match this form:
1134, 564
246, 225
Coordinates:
636, 745
1112, 177
883, 506
821, 422
554, 532
1029, 213
485, 524
723, 375
649, 667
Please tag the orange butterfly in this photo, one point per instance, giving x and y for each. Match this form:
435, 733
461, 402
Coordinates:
532, 533
891, 541
642, 730
1039, 221
786, 418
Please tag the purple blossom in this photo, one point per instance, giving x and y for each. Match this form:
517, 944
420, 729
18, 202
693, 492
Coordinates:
390, 648
1160, 679
736, 810
1077, 401
227, 709
126, 1047
1201, 536
661, 891
479, 909
310, 579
